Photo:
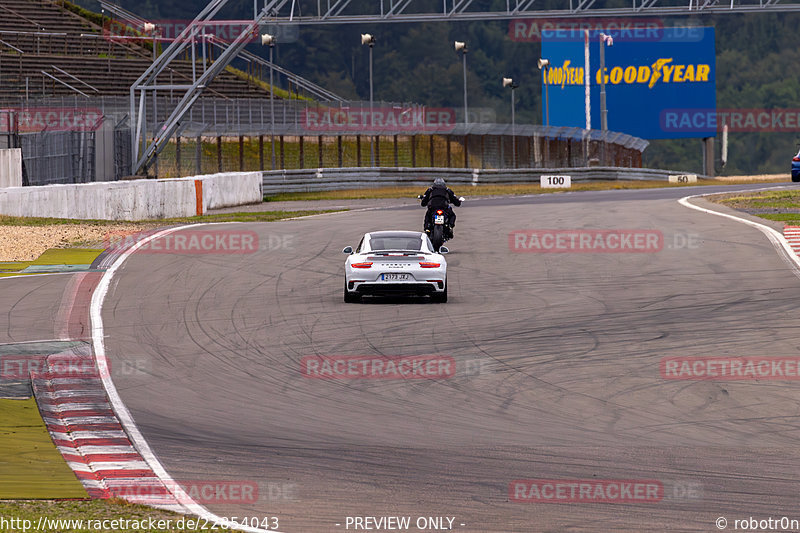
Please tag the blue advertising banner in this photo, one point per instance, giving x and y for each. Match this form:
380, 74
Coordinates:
648, 81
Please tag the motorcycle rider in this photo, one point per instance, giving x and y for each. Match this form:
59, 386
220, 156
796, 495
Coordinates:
439, 196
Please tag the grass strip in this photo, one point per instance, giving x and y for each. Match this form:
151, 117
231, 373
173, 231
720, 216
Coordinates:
66, 256
31, 467
788, 200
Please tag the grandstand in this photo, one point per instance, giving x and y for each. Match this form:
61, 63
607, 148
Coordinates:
48, 50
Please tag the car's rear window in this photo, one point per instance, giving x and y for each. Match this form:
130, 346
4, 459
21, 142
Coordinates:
377, 243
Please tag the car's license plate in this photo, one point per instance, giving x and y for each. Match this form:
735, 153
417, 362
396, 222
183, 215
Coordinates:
439, 219
395, 277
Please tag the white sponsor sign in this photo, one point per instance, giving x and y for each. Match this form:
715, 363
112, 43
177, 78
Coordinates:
683, 178
555, 182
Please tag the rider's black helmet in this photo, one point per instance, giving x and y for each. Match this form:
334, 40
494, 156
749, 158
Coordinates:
440, 182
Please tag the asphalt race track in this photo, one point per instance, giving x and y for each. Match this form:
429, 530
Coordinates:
557, 371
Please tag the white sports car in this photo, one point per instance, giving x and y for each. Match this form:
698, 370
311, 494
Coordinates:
395, 262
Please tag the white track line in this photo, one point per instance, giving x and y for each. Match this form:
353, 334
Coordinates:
124, 415
777, 239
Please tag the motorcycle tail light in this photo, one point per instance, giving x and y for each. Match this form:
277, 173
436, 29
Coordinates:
366, 264
439, 212
428, 264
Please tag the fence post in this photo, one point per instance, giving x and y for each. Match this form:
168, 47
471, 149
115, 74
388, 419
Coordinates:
432, 150
447, 140
197, 155
413, 150
261, 152
178, 154
283, 155
319, 151
466, 151
546, 159
396, 163
530, 152
377, 150
339, 150
241, 153
302, 154
358, 150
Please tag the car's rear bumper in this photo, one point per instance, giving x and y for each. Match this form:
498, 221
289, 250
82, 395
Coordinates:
383, 288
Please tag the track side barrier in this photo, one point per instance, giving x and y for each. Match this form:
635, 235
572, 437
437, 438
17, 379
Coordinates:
331, 179
134, 200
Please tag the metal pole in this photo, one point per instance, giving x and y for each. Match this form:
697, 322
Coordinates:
464, 61
603, 110
513, 132
546, 99
132, 120
194, 60
586, 79
371, 137
271, 107
155, 109
204, 49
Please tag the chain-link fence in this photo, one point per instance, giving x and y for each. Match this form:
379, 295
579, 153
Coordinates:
59, 157
200, 155
223, 135
66, 144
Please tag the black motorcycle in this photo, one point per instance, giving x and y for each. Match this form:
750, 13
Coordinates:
437, 226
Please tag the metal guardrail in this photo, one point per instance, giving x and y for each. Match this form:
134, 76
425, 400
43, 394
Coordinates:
65, 84
17, 50
65, 73
332, 179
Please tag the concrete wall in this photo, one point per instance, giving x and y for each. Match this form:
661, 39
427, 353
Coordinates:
229, 189
11, 167
135, 199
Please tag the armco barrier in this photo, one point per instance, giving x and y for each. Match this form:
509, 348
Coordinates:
331, 179
135, 199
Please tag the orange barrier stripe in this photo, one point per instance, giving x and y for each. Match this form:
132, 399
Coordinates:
198, 191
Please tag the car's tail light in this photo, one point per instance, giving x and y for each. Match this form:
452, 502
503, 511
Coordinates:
796, 158
439, 212
428, 264
367, 264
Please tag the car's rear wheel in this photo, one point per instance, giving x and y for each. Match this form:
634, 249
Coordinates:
440, 297
350, 297
795, 177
